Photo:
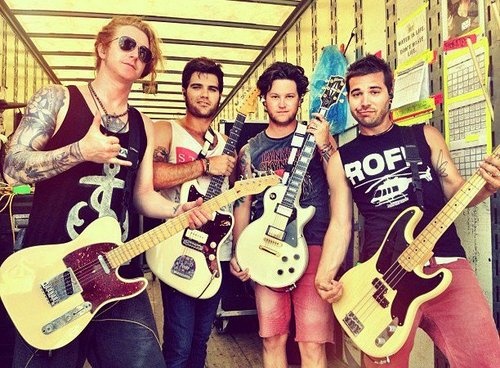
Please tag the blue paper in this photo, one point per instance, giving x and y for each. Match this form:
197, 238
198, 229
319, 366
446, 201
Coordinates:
331, 67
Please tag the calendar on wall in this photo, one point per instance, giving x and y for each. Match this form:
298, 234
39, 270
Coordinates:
466, 118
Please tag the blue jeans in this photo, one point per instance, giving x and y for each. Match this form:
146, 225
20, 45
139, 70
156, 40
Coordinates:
187, 325
121, 335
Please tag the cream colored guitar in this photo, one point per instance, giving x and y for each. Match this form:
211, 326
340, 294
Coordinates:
51, 292
189, 261
381, 299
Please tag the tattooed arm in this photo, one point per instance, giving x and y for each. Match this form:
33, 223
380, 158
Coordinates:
241, 212
165, 174
26, 161
451, 180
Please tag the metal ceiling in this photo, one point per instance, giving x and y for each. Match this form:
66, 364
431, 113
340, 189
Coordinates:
237, 33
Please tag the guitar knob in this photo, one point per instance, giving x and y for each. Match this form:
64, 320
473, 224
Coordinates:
213, 245
296, 257
291, 270
211, 257
280, 272
284, 259
272, 196
380, 341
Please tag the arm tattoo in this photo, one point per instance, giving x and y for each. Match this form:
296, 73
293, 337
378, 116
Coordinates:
26, 160
441, 165
245, 168
160, 154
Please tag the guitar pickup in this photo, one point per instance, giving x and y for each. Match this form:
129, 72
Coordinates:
275, 233
66, 318
284, 210
61, 287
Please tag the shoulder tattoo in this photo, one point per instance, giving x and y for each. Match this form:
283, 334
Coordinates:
160, 154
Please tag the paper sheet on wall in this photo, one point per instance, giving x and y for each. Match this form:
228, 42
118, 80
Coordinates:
411, 85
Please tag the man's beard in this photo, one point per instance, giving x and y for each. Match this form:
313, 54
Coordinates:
196, 112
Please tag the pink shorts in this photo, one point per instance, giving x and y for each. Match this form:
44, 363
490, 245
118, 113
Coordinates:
313, 316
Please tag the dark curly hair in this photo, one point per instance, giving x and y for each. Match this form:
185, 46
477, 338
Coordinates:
368, 65
283, 70
202, 65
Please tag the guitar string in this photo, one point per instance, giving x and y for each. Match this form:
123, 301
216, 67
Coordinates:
391, 279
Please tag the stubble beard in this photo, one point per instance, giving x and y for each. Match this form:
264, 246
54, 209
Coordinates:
196, 112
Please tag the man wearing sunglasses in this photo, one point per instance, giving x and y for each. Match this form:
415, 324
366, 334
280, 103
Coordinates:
90, 154
188, 151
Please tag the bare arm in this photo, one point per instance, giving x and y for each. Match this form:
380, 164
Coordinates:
319, 127
338, 234
168, 175
153, 204
451, 180
26, 162
241, 213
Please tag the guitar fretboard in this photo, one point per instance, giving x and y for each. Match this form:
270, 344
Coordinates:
420, 249
299, 171
215, 186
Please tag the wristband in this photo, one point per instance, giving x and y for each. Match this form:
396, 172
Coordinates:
202, 162
207, 166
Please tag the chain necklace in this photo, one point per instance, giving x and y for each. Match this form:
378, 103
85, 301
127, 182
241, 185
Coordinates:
112, 122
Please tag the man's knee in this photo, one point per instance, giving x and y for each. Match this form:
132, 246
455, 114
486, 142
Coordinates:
274, 343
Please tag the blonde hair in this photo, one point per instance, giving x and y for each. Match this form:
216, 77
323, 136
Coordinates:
107, 34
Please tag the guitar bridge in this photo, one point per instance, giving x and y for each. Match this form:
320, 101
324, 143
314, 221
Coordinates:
353, 323
61, 287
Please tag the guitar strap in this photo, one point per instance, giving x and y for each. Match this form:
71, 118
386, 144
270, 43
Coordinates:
298, 140
413, 159
209, 141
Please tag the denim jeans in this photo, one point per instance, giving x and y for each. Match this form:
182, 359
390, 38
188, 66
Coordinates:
187, 325
121, 335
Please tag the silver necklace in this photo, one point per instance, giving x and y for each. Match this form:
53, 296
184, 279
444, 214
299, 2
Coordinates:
111, 122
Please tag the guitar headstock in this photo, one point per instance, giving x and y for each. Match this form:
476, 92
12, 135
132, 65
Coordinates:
249, 103
332, 91
255, 185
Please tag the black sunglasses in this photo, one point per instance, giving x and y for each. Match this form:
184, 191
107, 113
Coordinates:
127, 43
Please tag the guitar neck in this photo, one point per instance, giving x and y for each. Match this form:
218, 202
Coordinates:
420, 249
215, 186
133, 248
299, 171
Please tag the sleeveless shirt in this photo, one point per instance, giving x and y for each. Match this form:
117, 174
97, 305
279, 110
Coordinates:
184, 148
64, 205
381, 186
271, 154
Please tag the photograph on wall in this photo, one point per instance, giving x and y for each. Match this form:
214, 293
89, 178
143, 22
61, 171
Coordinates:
463, 17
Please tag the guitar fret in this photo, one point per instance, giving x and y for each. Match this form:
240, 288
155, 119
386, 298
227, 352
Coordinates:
422, 246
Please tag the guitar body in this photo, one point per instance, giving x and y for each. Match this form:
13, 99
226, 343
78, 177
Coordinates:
376, 312
189, 260
273, 262
49, 313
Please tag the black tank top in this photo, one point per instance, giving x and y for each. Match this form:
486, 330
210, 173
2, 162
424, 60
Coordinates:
64, 205
381, 185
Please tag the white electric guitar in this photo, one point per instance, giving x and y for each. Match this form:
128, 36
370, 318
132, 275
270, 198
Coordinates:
189, 261
381, 297
51, 292
273, 247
